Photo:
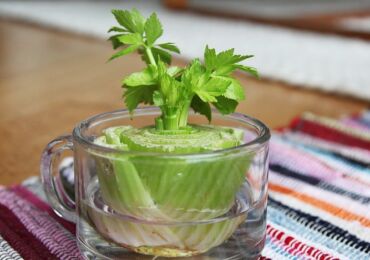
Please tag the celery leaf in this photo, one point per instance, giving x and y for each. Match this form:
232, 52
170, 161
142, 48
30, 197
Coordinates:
201, 107
235, 90
225, 105
169, 46
126, 51
142, 78
116, 29
140, 94
124, 18
138, 21
161, 55
215, 86
115, 42
153, 29
158, 98
174, 71
250, 70
205, 96
131, 38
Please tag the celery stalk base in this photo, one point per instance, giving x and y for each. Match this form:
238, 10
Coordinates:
171, 189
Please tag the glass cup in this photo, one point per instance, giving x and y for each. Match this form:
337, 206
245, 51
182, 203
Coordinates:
136, 205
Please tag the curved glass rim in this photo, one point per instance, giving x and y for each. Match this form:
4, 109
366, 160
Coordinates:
262, 137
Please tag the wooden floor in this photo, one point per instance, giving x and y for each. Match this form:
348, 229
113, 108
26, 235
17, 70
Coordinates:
50, 80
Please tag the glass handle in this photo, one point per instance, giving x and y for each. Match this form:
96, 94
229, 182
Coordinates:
58, 198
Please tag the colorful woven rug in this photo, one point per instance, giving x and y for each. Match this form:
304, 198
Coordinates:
319, 204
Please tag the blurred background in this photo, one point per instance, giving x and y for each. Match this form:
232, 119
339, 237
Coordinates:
313, 55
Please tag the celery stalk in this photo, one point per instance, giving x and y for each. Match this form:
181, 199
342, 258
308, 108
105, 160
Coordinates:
170, 188
181, 189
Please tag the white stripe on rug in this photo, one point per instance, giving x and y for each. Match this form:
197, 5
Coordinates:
7, 252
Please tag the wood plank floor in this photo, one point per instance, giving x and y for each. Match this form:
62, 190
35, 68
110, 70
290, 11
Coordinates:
50, 80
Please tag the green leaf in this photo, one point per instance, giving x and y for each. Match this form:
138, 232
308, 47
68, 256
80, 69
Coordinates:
216, 86
201, 107
138, 20
210, 58
223, 63
124, 18
170, 88
132, 38
192, 74
116, 29
174, 71
227, 58
115, 42
158, 99
224, 58
162, 55
141, 94
225, 70
162, 68
126, 51
144, 78
225, 105
234, 90
205, 96
153, 29
169, 46
250, 70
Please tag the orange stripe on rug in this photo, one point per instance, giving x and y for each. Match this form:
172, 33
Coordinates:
336, 211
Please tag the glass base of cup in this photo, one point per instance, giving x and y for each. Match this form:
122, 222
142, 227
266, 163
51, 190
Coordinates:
163, 251
94, 246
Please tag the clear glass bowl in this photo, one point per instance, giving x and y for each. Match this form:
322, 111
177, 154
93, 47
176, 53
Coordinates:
209, 205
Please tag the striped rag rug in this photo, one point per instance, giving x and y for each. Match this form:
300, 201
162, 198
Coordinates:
319, 202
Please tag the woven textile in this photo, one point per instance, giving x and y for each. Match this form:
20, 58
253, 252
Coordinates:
319, 202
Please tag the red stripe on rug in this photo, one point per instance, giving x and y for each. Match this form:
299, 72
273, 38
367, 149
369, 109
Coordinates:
37, 202
327, 133
19, 238
296, 247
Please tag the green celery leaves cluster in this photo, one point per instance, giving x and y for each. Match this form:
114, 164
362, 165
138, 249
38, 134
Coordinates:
174, 90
